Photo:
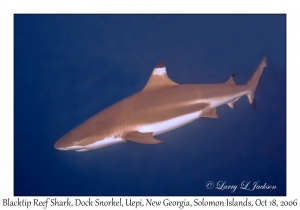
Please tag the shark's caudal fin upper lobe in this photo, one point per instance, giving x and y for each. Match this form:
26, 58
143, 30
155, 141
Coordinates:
252, 83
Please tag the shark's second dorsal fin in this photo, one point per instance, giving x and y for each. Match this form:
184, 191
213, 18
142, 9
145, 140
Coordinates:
159, 78
230, 81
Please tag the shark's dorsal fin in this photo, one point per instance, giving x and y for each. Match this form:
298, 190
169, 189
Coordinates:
230, 81
159, 78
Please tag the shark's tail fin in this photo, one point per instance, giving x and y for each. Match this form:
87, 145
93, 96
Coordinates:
252, 83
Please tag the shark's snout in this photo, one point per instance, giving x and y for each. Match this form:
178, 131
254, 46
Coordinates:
59, 145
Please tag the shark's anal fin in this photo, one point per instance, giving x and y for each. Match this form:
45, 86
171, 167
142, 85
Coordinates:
211, 113
232, 104
159, 78
142, 138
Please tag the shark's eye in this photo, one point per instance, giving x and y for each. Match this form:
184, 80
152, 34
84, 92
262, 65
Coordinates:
75, 143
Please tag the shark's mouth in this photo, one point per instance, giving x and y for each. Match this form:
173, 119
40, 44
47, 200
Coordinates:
98, 144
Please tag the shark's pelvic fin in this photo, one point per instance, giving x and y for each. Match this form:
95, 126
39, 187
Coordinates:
252, 83
159, 78
211, 113
142, 138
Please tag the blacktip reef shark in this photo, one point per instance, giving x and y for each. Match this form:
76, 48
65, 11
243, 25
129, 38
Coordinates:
163, 105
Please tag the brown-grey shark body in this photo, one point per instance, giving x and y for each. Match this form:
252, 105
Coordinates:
161, 106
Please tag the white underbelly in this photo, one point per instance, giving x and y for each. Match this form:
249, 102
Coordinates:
168, 125
216, 102
219, 102
99, 144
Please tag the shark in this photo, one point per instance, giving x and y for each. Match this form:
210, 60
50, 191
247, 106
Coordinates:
161, 106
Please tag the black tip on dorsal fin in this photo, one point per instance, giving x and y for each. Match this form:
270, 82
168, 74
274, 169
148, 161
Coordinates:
231, 80
159, 78
160, 64
253, 104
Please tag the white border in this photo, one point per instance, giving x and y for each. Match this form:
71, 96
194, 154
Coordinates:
8, 8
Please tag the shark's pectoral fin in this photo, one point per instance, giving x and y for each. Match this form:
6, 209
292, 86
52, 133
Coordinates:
142, 138
211, 113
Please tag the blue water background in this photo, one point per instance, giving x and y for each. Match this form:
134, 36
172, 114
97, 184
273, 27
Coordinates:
69, 67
